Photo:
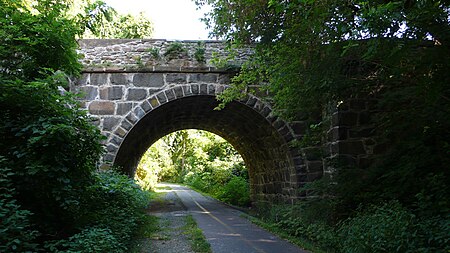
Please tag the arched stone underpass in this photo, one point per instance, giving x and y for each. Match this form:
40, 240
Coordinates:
263, 148
136, 98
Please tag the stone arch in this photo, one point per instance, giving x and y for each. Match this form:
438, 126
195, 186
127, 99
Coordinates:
249, 125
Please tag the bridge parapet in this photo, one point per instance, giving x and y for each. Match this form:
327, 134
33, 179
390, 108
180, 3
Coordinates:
157, 55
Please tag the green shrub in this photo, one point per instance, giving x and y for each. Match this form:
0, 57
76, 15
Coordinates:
16, 232
236, 192
115, 201
52, 148
390, 227
89, 240
296, 221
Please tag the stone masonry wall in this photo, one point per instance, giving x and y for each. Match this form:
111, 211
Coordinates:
125, 80
156, 55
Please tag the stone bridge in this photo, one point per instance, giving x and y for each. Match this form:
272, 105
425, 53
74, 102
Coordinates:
140, 90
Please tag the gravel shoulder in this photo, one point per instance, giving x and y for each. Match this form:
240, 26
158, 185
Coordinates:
172, 218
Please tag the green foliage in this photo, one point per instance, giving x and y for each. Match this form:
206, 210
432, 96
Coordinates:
154, 52
198, 240
115, 202
50, 194
89, 240
236, 192
52, 147
316, 55
199, 53
392, 228
31, 41
201, 159
103, 21
175, 50
17, 234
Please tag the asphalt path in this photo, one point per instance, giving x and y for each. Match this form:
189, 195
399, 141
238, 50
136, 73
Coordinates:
226, 230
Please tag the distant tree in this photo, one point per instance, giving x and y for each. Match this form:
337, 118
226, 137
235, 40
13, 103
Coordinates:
105, 22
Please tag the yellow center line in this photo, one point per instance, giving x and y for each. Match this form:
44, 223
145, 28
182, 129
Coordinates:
223, 224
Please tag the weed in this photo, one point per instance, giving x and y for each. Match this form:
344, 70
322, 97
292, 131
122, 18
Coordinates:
200, 50
154, 52
175, 50
198, 240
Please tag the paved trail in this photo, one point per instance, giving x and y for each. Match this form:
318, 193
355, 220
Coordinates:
226, 230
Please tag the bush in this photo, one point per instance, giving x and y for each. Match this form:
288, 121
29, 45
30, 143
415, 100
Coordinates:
115, 201
16, 235
89, 240
236, 192
390, 227
52, 148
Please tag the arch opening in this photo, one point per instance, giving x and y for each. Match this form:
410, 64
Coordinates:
265, 152
198, 158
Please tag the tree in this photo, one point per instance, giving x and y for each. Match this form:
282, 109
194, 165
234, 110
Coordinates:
105, 22
313, 53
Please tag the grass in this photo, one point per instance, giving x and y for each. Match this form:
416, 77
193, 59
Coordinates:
300, 242
198, 240
149, 227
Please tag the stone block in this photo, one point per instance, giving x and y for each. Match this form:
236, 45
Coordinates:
178, 92
361, 132
89, 92
126, 125
132, 118
119, 79
224, 79
154, 102
203, 89
155, 80
124, 108
211, 89
139, 112
338, 133
116, 140
146, 106
98, 79
203, 78
251, 101
136, 94
345, 119
161, 98
195, 89
109, 123
187, 90
83, 80
111, 148
266, 111
176, 78
365, 118
111, 93
102, 108
108, 158
120, 132
170, 95
315, 167
351, 147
